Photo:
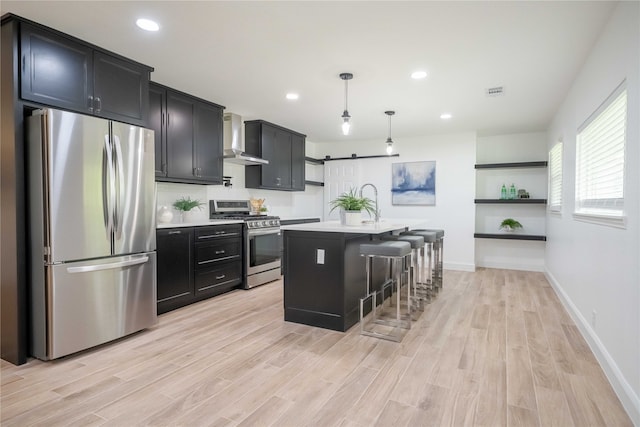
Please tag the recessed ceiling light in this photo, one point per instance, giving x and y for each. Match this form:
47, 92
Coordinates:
147, 24
293, 96
445, 116
418, 75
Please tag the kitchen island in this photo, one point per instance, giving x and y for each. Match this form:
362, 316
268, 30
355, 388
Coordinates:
324, 274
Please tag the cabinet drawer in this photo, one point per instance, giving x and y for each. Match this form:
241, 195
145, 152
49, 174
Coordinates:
215, 232
217, 251
224, 276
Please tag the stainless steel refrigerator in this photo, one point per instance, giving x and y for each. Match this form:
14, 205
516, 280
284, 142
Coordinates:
92, 231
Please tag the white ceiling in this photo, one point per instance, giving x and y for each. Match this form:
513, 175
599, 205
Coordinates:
248, 55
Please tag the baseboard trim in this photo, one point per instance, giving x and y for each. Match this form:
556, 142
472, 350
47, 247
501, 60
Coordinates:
630, 400
510, 266
459, 267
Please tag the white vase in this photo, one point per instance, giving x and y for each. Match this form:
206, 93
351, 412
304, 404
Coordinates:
187, 216
164, 215
352, 218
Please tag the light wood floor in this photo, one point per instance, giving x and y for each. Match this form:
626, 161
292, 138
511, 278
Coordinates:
496, 348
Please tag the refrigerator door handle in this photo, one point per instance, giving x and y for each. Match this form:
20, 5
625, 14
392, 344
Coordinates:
110, 266
107, 185
119, 191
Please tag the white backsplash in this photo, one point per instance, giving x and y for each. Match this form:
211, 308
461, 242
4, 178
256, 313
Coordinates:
295, 204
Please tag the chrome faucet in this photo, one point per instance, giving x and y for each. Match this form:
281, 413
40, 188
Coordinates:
375, 192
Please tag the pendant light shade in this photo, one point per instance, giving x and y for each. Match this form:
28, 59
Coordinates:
389, 140
346, 125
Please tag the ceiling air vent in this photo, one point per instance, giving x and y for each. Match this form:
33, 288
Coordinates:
495, 91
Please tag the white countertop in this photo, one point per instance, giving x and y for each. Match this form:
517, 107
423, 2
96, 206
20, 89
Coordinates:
384, 226
200, 223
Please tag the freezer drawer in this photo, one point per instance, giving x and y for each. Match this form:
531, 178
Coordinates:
93, 302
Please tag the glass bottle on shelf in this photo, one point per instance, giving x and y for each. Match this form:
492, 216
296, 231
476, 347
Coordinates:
503, 192
512, 191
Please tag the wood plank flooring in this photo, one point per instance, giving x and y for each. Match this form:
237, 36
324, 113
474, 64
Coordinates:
495, 348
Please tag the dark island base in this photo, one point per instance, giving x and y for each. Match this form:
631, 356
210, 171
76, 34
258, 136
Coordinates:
325, 292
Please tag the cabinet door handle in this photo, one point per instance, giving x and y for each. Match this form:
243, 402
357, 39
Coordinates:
168, 119
195, 171
24, 63
99, 102
162, 119
175, 232
220, 252
90, 102
221, 277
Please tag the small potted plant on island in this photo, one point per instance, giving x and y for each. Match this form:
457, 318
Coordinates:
184, 205
510, 225
351, 207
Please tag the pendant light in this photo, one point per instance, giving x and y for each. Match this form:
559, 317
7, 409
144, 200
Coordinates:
389, 140
345, 115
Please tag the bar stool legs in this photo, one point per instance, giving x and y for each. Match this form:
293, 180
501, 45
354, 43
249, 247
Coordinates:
382, 323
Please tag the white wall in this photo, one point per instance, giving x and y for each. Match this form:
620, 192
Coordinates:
595, 268
511, 254
455, 185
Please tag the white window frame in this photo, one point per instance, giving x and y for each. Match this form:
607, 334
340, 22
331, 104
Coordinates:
598, 198
554, 201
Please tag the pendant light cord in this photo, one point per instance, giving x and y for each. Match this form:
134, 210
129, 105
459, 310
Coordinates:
346, 94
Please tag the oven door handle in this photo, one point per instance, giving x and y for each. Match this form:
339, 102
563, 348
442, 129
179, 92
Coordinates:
252, 233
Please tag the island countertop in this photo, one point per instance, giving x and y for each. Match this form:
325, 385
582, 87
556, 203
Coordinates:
367, 227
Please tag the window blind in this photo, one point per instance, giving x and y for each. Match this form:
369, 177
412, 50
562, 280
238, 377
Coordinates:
555, 178
600, 159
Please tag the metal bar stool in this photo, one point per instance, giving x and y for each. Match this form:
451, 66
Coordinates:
439, 254
427, 283
418, 299
379, 325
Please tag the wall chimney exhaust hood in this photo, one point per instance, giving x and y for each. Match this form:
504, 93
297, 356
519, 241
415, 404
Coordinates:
233, 137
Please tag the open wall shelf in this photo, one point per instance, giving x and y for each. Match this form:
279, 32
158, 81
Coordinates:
513, 236
537, 164
513, 201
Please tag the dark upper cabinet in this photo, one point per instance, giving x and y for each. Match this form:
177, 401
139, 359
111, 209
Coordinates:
188, 131
285, 150
297, 162
179, 136
120, 89
61, 71
207, 142
175, 284
157, 116
55, 70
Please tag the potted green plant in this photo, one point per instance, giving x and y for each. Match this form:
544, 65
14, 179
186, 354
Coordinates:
510, 224
184, 205
352, 206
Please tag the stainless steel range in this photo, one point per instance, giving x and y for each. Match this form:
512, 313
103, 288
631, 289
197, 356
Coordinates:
261, 240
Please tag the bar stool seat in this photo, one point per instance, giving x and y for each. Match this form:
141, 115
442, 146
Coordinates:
380, 324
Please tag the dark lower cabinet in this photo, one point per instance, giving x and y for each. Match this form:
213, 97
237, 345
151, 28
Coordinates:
175, 268
325, 293
195, 263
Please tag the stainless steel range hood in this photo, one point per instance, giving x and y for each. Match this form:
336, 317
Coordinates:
233, 137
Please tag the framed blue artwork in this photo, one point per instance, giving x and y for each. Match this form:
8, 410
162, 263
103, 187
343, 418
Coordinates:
413, 183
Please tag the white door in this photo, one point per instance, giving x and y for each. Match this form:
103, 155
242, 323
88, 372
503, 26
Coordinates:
339, 176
